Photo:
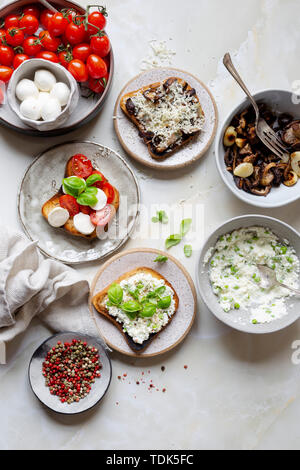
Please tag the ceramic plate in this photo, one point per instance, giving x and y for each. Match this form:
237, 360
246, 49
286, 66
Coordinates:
37, 380
43, 179
86, 109
179, 278
128, 133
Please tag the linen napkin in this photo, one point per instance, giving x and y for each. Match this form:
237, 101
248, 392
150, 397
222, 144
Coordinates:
31, 285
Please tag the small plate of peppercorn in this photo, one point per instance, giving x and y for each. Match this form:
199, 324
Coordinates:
70, 372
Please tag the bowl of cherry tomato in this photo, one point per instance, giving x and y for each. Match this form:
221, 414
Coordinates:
72, 37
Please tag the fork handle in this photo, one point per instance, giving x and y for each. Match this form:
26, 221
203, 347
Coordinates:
296, 291
232, 70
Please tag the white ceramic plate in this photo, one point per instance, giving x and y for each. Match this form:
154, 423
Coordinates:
279, 101
43, 179
128, 133
239, 319
179, 278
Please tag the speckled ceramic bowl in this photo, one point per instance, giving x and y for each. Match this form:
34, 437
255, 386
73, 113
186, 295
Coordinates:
239, 319
27, 70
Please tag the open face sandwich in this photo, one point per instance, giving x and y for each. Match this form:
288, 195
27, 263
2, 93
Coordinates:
167, 115
86, 201
140, 303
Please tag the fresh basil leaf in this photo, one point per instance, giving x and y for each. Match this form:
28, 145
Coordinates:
185, 226
161, 259
162, 217
160, 290
91, 190
172, 241
151, 295
87, 199
165, 302
134, 293
74, 185
155, 220
148, 310
131, 306
188, 250
93, 179
115, 294
140, 285
131, 315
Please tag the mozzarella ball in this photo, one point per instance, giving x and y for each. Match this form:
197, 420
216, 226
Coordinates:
83, 224
44, 97
31, 109
51, 109
61, 92
44, 80
58, 217
101, 200
26, 89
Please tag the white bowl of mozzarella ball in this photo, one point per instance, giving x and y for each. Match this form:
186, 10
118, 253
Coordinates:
43, 94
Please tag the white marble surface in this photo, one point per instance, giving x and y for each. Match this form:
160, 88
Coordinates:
239, 391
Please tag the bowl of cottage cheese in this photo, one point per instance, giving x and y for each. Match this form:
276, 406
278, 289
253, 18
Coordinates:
229, 280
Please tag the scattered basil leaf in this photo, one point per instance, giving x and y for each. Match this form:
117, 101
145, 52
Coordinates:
172, 241
148, 310
155, 220
115, 294
160, 290
185, 226
161, 216
93, 179
161, 259
140, 285
132, 306
188, 250
165, 302
74, 186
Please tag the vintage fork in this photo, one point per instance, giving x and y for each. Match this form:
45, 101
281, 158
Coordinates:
263, 130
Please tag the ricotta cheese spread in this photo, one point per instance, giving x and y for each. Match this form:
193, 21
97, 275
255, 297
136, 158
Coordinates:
143, 288
235, 277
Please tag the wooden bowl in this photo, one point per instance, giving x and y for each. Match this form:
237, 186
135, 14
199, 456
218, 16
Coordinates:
86, 110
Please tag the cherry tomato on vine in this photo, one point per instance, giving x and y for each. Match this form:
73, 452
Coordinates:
96, 19
30, 24
2, 34
75, 34
100, 45
19, 59
6, 55
98, 85
5, 73
65, 58
47, 55
14, 36
81, 52
32, 46
57, 24
49, 42
11, 21
96, 66
32, 10
45, 17
78, 69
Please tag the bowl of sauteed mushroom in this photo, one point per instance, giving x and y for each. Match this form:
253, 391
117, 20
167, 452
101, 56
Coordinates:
249, 169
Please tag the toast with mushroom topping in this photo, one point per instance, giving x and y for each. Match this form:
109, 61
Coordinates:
101, 302
54, 202
167, 115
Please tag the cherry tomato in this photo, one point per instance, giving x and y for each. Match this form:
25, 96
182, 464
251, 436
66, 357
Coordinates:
71, 14
48, 55
1, 96
78, 69
98, 85
11, 21
5, 73
97, 19
32, 10
57, 24
45, 17
69, 202
48, 42
19, 59
96, 66
100, 45
81, 52
65, 58
6, 55
29, 23
14, 36
86, 210
32, 46
75, 34
109, 191
103, 217
99, 184
81, 166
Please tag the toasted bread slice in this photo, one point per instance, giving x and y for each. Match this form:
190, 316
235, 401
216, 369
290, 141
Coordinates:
54, 202
155, 95
99, 302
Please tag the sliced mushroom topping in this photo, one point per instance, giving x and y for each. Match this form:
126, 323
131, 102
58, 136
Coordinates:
291, 180
130, 106
261, 192
246, 150
291, 134
295, 163
267, 175
168, 83
241, 142
250, 159
191, 92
